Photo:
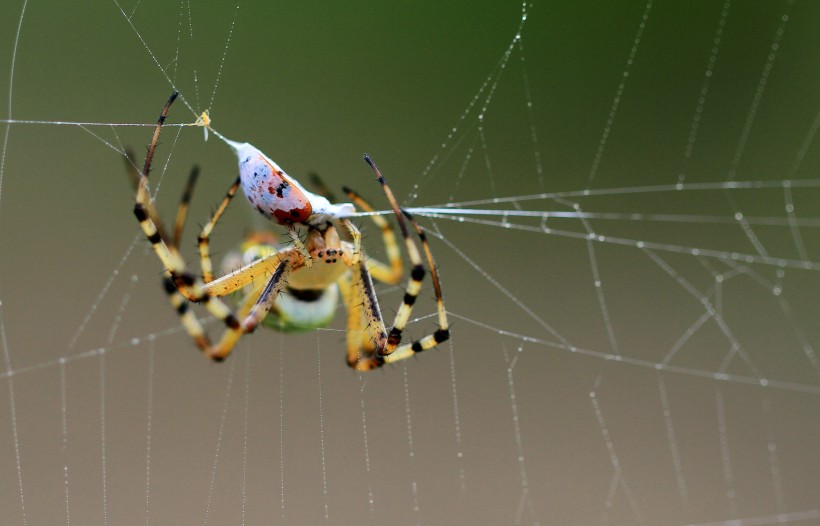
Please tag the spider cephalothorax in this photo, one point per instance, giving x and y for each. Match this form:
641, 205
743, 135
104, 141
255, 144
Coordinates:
312, 272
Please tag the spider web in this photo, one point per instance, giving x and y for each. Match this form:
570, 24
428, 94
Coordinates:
621, 201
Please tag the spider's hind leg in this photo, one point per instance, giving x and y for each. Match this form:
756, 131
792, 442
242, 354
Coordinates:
443, 333
393, 350
413, 288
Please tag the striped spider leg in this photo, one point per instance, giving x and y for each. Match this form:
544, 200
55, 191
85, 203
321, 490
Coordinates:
393, 351
183, 287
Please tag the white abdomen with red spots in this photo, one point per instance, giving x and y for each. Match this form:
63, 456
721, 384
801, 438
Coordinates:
276, 195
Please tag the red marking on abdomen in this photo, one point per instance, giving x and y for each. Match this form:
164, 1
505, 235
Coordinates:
273, 193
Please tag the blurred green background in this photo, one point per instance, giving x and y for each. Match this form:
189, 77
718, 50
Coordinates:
493, 429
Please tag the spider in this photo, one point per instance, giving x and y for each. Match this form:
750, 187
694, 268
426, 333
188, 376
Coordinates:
312, 273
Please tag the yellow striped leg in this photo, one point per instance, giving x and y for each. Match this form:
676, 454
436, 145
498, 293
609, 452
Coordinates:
416, 272
147, 215
443, 333
230, 336
360, 353
431, 263
363, 315
204, 238
182, 286
261, 268
411, 349
373, 315
254, 308
184, 203
268, 296
360, 349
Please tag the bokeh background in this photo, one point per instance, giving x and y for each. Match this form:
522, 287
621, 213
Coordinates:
505, 425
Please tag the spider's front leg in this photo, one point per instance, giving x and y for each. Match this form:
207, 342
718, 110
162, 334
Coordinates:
182, 286
267, 277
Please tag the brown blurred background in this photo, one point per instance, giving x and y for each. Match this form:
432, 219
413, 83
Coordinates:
501, 426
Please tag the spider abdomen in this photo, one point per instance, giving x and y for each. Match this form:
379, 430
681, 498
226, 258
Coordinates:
270, 190
295, 313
